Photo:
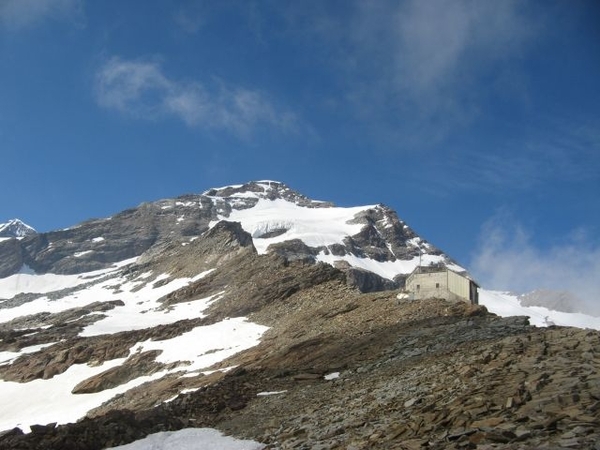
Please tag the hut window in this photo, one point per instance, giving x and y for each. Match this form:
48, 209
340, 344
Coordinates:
437, 285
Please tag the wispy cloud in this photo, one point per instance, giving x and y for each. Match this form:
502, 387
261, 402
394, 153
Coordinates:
507, 259
19, 14
441, 44
432, 55
143, 90
419, 70
552, 152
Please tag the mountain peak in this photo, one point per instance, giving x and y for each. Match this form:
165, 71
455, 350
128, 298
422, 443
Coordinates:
15, 228
264, 189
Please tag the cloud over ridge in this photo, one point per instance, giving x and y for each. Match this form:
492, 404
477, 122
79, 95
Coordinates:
506, 258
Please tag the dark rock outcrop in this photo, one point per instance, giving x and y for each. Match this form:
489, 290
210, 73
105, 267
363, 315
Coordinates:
366, 281
135, 366
11, 260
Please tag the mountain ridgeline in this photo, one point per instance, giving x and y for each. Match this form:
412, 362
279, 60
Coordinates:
272, 317
96, 244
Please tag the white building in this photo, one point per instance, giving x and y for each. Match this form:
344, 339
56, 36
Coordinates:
441, 282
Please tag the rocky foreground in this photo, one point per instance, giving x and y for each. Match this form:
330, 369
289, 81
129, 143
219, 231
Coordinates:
411, 375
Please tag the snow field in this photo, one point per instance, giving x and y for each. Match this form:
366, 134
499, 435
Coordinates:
314, 226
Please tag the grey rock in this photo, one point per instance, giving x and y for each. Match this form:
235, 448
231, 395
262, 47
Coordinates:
366, 281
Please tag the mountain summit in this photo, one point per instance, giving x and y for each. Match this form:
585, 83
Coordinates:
274, 317
15, 228
375, 247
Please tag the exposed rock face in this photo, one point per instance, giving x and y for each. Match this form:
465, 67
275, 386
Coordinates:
98, 243
12, 257
270, 190
367, 281
384, 237
135, 366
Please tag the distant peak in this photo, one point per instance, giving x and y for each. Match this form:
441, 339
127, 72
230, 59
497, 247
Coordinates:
15, 228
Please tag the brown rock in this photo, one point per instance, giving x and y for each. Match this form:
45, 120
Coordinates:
490, 422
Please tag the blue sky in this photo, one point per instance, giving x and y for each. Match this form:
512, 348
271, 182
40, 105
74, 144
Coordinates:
477, 121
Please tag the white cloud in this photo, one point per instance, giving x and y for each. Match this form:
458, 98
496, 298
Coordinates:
506, 259
133, 87
417, 71
440, 42
142, 89
18, 14
431, 55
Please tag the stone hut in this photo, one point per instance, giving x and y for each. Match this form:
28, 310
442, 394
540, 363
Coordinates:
440, 282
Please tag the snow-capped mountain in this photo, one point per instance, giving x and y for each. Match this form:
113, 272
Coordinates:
191, 308
369, 239
15, 228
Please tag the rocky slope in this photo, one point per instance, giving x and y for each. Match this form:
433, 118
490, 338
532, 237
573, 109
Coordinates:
267, 315
428, 375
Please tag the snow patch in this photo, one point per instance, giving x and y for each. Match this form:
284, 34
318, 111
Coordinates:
206, 345
185, 204
268, 393
27, 281
385, 269
46, 401
191, 439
